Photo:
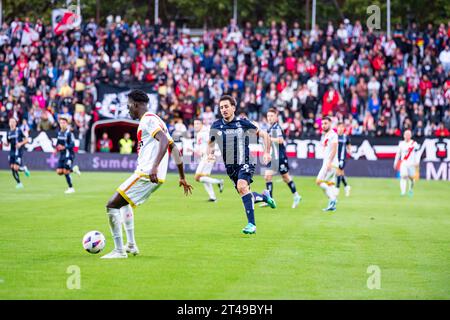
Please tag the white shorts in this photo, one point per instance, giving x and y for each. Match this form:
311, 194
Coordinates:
204, 167
136, 189
327, 176
407, 170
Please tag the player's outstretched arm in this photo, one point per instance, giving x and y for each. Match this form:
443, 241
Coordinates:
24, 142
267, 143
71, 141
176, 154
397, 158
334, 147
278, 140
210, 150
349, 148
163, 145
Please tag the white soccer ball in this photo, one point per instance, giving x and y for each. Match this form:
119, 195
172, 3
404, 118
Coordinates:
94, 241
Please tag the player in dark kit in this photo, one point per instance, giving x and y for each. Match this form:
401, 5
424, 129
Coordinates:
233, 135
16, 140
64, 145
344, 146
279, 158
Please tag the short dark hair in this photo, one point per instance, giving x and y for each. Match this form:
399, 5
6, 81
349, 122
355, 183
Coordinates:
340, 123
138, 96
229, 98
326, 118
63, 117
273, 110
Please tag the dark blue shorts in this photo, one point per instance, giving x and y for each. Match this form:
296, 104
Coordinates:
15, 159
281, 165
241, 172
65, 163
341, 164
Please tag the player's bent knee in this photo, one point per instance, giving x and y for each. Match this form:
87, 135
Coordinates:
243, 191
197, 178
242, 187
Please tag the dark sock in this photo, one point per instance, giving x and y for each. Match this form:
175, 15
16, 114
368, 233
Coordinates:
344, 180
15, 175
259, 197
291, 185
269, 186
69, 180
248, 205
338, 182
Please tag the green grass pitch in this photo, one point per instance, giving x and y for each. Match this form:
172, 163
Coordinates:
192, 249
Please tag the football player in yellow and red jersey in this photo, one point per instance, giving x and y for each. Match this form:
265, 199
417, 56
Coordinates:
153, 143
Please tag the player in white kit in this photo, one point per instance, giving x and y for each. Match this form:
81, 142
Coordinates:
326, 179
153, 158
205, 166
406, 162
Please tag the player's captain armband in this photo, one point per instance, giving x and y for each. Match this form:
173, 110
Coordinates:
155, 131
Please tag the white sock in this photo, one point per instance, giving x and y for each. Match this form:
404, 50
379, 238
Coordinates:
335, 191
210, 190
209, 180
332, 192
403, 183
115, 224
329, 191
128, 223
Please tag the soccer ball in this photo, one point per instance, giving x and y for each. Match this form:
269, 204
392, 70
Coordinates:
94, 242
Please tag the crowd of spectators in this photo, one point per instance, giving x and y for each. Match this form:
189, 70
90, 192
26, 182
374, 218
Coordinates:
376, 85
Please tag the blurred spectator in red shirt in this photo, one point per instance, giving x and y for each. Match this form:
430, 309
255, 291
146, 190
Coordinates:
104, 144
442, 131
290, 62
424, 84
329, 101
